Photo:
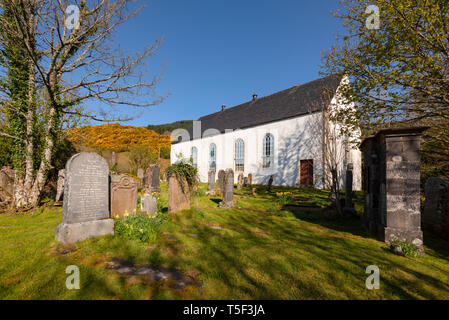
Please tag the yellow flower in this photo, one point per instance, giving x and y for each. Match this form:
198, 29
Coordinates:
126, 214
134, 210
141, 230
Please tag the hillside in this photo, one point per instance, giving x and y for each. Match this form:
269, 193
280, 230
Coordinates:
162, 128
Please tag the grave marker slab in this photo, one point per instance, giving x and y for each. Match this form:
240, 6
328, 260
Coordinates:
86, 199
148, 204
123, 195
436, 208
152, 179
228, 193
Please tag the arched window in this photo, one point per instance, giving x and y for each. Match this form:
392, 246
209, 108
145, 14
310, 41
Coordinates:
212, 156
239, 155
268, 151
195, 157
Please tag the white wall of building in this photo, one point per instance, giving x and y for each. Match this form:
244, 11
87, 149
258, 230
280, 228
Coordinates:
294, 140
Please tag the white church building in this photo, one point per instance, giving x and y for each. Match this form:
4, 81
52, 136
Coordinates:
284, 135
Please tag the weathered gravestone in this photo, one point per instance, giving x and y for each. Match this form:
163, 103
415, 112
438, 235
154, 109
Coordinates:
436, 208
270, 183
140, 175
113, 158
228, 192
86, 199
152, 179
211, 180
245, 182
221, 181
178, 194
240, 181
60, 185
349, 210
250, 179
391, 169
123, 195
148, 204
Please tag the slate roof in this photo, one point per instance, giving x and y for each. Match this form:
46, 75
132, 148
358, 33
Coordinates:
289, 103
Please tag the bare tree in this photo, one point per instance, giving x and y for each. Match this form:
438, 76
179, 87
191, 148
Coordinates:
72, 57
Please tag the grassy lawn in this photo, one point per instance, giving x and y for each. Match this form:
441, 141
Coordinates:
260, 252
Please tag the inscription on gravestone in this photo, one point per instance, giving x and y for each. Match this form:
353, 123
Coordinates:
123, 195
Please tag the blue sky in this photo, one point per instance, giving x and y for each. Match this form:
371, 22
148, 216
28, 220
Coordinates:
220, 52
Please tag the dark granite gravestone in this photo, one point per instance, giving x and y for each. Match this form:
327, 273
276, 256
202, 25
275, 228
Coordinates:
123, 195
245, 182
211, 180
60, 186
86, 199
152, 179
221, 181
349, 210
270, 183
436, 208
240, 181
228, 193
391, 169
250, 179
178, 194
148, 204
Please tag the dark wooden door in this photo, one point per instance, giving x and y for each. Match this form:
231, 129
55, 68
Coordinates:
306, 173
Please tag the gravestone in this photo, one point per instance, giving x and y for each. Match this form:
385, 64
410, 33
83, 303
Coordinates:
228, 192
60, 186
250, 179
211, 180
240, 181
113, 158
270, 183
148, 204
349, 210
140, 175
123, 195
436, 208
391, 175
152, 179
221, 181
245, 182
178, 194
86, 199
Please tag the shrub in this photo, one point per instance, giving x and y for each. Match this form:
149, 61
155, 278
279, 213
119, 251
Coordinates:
183, 170
409, 249
140, 227
284, 198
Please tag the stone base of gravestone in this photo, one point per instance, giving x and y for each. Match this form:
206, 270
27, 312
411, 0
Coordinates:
178, 196
148, 204
413, 237
73, 232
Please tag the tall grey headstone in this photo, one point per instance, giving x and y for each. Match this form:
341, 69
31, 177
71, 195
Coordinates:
240, 181
211, 180
436, 208
86, 199
250, 179
140, 175
221, 180
60, 186
152, 178
349, 205
228, 193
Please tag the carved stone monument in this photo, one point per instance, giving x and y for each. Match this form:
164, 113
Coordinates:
348, 209
221, 181
211, 181
391, 169
228, 193
60, 186
240, 181
152, 179
178, 194
270, 183
148, 204
123, 195
86, 199
436, 208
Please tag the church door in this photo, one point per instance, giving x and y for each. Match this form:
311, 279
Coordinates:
306, 173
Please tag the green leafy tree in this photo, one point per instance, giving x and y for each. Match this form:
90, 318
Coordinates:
398, 69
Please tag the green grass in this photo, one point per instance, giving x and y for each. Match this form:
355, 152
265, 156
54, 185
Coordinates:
261, 252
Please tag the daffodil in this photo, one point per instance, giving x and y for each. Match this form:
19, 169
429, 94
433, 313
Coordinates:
141, 230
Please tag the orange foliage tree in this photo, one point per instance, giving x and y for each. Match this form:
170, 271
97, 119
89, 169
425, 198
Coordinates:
118, 138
